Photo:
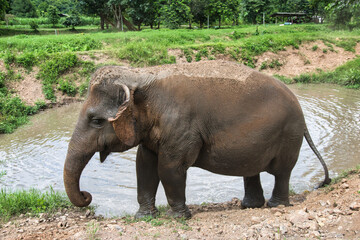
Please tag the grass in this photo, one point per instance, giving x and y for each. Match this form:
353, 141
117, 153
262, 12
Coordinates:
32, 202
161, 219
92, 228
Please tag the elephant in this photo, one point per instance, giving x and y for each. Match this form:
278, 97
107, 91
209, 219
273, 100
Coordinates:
220, 116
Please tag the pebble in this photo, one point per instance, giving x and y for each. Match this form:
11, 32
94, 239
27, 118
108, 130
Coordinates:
355, 206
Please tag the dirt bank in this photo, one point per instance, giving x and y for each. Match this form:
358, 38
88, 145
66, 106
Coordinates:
328, 213
309, 57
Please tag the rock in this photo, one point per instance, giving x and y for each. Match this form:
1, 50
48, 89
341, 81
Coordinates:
344, 186
355, 206
255, 219
62, 224
277, 214
298, 217
283, 229
20, 230
88, 213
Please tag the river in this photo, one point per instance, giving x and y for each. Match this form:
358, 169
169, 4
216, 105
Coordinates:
33, 156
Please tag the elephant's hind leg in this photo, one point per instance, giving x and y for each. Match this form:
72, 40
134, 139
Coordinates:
254, 196
147, 182
280, 194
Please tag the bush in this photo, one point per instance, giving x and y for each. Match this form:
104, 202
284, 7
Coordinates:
68, 87
72, 21
53, 68
34, 26
26, 60
352, 78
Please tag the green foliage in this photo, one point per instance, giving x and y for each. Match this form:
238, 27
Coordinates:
14, 203
237, 35
67, 86
23, 8
284, 79
52, 14
347, 44
174, 13
315, 47
347, 75
303, 78
13, 112
9, 58
27, 60
34, 26
72, 21
352, 78
144, 53
52, 69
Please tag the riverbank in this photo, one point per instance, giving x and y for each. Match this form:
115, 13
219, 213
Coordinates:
43, 70
327, 213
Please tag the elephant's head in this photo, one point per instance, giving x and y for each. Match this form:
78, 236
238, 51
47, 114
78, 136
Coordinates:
106, 124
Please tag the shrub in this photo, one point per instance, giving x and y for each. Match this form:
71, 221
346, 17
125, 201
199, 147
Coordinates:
303, 78
26, 60
68, 87
352, 78
34, 26
53, 68
315, 47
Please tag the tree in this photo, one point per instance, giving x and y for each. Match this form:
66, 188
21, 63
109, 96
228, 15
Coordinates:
72, 20
3, 6
53, 16
218, 9
198, 11
234, 10
174, 13
345, 13
96, 7
23, 8
253, 10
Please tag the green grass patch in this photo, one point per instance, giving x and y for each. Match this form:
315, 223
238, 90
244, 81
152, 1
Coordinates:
33, 202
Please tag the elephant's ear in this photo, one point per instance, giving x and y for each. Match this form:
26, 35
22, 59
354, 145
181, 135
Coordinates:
124, 122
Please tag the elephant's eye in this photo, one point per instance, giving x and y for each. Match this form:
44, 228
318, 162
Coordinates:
97, 122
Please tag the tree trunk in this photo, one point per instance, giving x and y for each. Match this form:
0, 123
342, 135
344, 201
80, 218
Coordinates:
128, 24
102, 22
189, 23
219, 22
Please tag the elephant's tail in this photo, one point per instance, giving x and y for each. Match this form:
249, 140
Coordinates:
312, 146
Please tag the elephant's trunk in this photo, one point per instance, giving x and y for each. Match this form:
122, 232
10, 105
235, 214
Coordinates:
74, 165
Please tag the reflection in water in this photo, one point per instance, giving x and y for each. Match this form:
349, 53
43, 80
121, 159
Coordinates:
34, 155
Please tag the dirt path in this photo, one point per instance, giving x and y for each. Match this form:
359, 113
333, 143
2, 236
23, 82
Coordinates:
328, 213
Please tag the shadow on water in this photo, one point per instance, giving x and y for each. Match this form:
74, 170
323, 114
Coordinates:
34, 155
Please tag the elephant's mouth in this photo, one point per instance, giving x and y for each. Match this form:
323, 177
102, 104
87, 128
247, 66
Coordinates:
104, 153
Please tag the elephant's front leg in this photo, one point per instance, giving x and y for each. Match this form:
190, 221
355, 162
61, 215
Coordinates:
147, 181
174, 160
173, 178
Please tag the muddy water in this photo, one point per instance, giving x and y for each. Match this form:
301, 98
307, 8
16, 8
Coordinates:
34, 155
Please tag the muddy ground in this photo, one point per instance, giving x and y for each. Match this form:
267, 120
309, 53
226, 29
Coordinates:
328, 213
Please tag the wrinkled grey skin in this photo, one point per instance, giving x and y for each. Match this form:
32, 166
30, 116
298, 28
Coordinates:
238, 127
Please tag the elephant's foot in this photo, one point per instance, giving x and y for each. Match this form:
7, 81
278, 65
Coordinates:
146, 213
249, 202
182, 213
274, 202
